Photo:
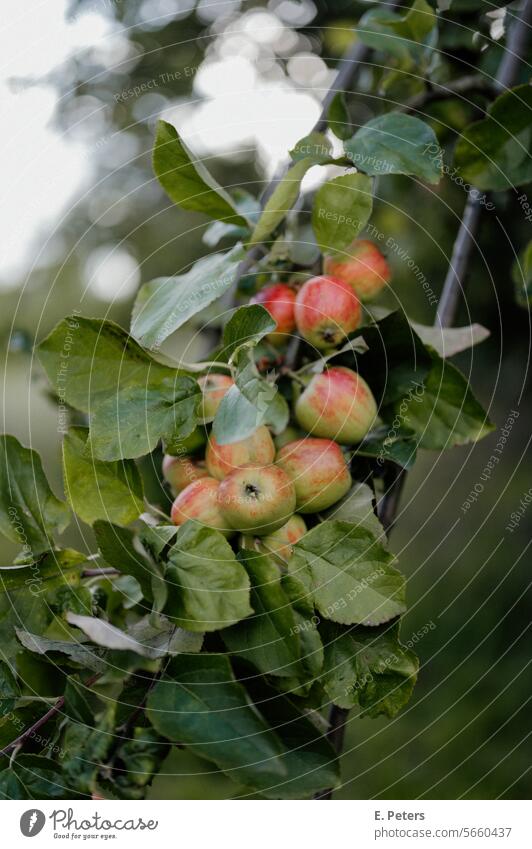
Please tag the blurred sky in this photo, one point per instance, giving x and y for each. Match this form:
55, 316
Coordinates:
234, 97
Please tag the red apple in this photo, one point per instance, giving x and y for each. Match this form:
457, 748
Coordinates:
257, 448
363, 267
319, 471
257, 499
180, 471
279, 299
199, 501
326, 310
213, 386
337, 404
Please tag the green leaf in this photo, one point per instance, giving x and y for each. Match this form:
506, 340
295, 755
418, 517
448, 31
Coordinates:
200, 704
166, 303
444, 412
9, 690
34, 777
357, 507
395, 143
235, 419
268, 639
96, 490
186, 181
247, 326
272, 409
29, 511
496, 153
131, 423
522, 277
208, 588
398, 444
351, 574
341, 209
85, 656
133, 399
448, 341
87, 749
315, 146
142, 638
121, 549
402, 34
281, 201
369, 666
338, 117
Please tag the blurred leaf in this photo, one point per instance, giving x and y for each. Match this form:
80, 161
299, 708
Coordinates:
29, 511
315, 146
403, 34
341, 209
496, 153
444, 412
200, 704
96, 490
207, 587
368, 666
186, 181
351, 574
522, 277
87, 749
281, 201
166, 303
235, 419
142, 638
268, 639
338, 117
395, 144
448, 341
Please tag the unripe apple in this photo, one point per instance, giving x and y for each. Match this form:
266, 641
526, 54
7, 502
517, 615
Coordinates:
337, 404
363, 267
257, 499
279, 299
257, 448
280, 542
180, 471
326, 310
319, 471
199, 501
213, 386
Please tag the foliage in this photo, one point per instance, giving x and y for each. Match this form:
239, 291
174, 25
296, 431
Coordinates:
227, 650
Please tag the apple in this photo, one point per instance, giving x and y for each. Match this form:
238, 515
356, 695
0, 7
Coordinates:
279, 299
363, 267
337, 404
257, 448
199, 501
280, 542
319, 471
213, 386
326, 311
257, 499
180, 471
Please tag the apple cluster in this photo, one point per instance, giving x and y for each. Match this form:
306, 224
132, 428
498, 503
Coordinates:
262, 487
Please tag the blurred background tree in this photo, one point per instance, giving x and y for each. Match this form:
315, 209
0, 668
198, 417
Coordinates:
243, 82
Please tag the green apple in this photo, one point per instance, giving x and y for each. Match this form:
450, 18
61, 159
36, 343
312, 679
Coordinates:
319, 471
257, 499
257, 448
337, 404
